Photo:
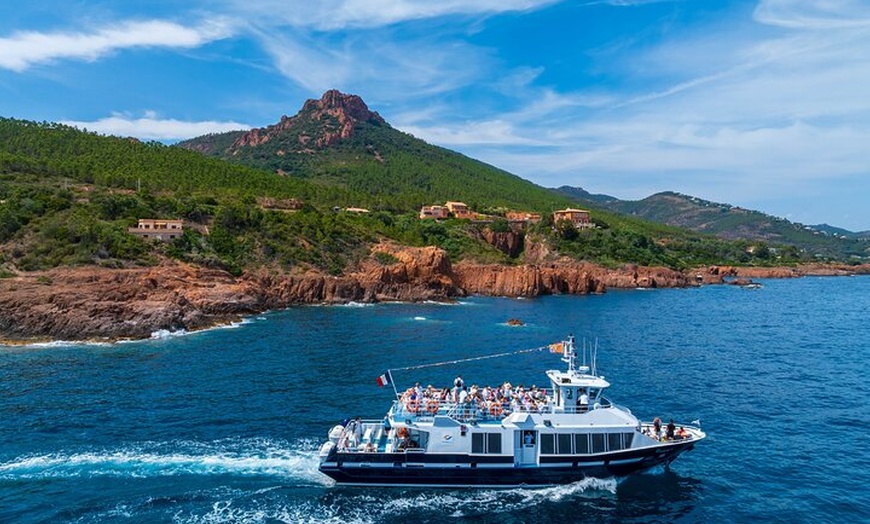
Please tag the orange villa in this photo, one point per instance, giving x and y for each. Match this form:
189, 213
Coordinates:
522, 216
158, 229
433, 212
578, 217
460, 210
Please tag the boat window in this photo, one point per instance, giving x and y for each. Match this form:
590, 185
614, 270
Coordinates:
581, 443
627, 439
477, 442
569, 393
548, 444
597, 442
563, 441
614, 441
493, 443
593, 393
486, 443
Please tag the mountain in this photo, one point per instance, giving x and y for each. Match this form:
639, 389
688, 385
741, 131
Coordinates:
337, 141
839, 231
268, 197
729, 222
580, 194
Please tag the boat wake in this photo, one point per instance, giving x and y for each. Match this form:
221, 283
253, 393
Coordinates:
244, 457
470, 503
264, 480
372, 505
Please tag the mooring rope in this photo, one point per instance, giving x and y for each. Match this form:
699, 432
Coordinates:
435, 364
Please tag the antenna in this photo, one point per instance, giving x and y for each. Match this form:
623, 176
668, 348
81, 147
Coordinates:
595, 358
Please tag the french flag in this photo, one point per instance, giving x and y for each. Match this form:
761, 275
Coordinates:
385, 379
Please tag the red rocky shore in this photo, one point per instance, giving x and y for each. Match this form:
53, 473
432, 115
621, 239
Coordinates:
90, 303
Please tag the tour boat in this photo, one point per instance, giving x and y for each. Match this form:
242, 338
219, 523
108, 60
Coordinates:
503, 436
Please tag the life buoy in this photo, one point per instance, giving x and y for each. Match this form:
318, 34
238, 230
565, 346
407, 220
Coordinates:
432, 405
495, 409
414, 405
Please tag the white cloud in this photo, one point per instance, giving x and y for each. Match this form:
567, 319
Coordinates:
781, 109
24, 49
373, 62
814, 14
152, 127
330, 15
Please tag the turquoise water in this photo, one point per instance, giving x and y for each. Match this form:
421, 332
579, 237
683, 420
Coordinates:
224, 425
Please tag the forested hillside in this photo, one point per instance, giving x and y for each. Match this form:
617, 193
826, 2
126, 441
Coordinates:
337, 141
731, 223
67, 197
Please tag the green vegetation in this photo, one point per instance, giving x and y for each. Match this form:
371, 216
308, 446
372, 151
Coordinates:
67, 197
747, 228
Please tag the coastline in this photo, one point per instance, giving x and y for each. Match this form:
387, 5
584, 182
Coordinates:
99, 305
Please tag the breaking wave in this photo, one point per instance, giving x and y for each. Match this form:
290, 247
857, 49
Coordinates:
364, 506
233, 457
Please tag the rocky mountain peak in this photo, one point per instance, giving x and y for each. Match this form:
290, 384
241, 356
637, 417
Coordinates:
337, 103
320, 123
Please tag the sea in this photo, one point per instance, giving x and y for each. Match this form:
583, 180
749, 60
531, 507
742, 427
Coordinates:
224, 425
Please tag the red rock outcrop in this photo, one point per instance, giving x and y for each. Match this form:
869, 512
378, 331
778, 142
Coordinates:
96, 303
91, 303
346, 110
508, 242
563, 277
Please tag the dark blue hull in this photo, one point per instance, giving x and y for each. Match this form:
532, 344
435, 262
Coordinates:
419, 469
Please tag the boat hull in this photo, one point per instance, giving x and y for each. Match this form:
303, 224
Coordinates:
455, 470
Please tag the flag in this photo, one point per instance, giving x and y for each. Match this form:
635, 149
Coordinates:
556, 348
385, 379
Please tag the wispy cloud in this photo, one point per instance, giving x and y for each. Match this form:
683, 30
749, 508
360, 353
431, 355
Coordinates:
331, 15
25, 49
373, 62
813, 14
784, 112
152, 127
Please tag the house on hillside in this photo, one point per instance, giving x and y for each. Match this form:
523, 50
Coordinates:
522, 216
460, 210
158, 229
436, 212
578, 217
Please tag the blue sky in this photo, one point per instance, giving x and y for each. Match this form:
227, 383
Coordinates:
762, 104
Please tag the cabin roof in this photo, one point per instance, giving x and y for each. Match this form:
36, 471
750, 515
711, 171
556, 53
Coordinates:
564, 378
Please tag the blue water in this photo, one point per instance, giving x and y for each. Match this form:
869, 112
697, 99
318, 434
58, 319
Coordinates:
224, 425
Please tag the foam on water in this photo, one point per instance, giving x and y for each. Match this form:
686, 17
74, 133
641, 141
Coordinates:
56, 344
360, 505
353, 304
231, 457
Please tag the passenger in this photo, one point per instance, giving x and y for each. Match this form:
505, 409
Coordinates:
458, 382
671, 429
474, 392
657, 427
358, 431
683, 434
463, 395
583, 401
